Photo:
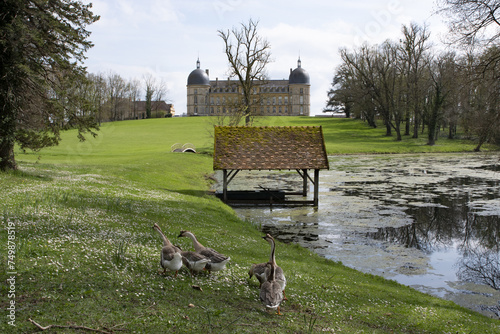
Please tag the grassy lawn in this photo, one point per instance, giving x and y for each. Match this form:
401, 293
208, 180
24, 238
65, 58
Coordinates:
86, 253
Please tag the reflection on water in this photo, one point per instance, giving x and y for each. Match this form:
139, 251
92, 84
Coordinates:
428, 221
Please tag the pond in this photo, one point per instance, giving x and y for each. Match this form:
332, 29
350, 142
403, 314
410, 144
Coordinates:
429, 221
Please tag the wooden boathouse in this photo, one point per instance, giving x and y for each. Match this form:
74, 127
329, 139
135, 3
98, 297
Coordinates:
300, 148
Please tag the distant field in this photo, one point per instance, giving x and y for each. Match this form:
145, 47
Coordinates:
127, 141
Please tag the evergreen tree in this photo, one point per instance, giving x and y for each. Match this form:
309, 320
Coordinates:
42, 47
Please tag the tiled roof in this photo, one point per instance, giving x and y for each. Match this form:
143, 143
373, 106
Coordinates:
256, 148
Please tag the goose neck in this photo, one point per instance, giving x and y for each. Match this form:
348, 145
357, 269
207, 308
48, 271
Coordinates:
272, 258
196, 244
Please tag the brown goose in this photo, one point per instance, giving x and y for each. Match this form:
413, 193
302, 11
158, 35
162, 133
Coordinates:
194, 261
171, 257
271, 293
217, 260
259, 270
279, 274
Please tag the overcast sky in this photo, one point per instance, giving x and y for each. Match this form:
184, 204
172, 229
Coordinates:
166, 37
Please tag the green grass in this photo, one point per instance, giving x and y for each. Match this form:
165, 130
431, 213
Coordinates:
349, 136
86, 253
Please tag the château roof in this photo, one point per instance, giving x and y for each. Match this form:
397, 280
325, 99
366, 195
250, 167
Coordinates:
198, 76
271, 148
299, 75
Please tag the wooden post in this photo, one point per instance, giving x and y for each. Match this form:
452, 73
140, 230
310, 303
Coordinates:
304, 182
316, 187
224, 185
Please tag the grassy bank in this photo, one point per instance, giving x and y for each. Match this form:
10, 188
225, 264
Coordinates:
86, 253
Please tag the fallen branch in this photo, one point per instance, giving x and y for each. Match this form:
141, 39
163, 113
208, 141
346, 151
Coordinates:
70, 326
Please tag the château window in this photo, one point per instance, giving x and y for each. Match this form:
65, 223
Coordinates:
280, 100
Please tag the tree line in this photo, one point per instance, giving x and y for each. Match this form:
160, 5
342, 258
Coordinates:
113, 98
417, 89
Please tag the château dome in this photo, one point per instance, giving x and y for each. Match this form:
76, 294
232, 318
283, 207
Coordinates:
198, 76
299, 75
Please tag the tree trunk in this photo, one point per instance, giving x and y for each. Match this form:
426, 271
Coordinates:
7, 160
398, 132
7, 135
433, 118
388, 129
407, 126
415, 125
452, 131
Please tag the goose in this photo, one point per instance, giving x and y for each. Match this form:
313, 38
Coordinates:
194, 261
271, 293
217, 261
259, 270
279, 274
171, 257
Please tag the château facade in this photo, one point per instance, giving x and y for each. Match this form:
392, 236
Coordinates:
290, 97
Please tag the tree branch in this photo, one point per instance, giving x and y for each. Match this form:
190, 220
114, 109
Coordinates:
69, 326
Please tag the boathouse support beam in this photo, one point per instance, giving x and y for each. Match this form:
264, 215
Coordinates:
316, 187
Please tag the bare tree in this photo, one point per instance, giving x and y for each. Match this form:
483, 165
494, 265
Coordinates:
476, 25
160, 95
135, 92
156, 90
481, 266
415, 61
379, 78
97, 92
443, 73
473, 21
248, 54
149, 87
118, 93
